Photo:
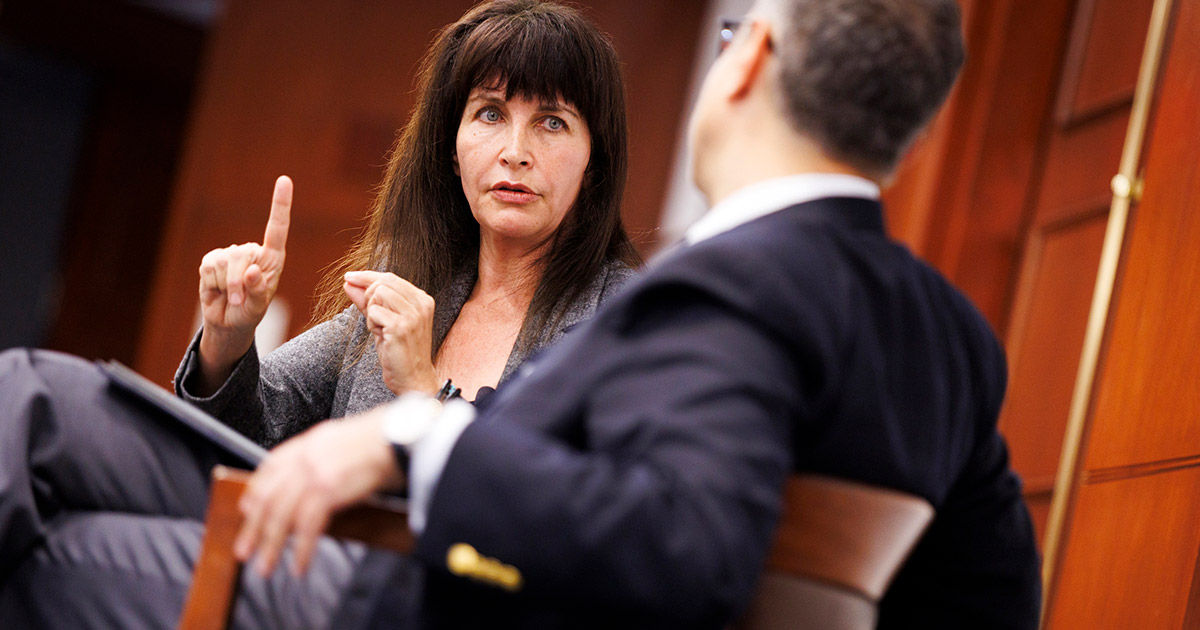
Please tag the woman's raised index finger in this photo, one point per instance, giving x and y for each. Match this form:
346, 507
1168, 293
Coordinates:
275, 237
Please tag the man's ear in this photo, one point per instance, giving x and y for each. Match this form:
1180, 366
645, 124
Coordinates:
751, 57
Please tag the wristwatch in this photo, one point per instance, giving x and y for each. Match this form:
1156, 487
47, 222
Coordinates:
410, 418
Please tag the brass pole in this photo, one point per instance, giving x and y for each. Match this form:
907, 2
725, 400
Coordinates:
1126, 187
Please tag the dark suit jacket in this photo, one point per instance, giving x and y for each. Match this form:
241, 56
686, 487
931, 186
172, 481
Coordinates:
632, 475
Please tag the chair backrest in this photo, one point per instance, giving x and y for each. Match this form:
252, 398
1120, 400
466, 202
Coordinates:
838, 546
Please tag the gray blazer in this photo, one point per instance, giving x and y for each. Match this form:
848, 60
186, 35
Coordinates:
316, 376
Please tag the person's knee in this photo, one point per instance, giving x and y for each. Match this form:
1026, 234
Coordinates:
47, 372
15, 359
34, 358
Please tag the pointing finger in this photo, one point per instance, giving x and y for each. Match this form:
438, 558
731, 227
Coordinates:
275, 237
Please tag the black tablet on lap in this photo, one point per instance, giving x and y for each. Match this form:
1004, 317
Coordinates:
206, 426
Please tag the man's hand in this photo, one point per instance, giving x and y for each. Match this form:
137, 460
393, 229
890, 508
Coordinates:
400, 316
304, 481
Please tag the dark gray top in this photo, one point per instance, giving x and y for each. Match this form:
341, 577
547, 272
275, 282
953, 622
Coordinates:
316, 376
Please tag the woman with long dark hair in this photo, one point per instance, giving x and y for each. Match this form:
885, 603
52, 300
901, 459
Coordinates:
501, 200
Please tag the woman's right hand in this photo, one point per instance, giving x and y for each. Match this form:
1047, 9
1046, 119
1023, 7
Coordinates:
237, 284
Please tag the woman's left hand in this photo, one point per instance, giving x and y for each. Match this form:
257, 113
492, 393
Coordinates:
400, 316
301, 483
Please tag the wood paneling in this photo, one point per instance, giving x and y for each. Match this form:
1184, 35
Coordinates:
276, 97
1192, 617
1101, 74
1080, 163
1038, 503
1010, 201
1132, 553
983, 208
657, 43
318, 94
1148, 405
1133, 528
1044, 349
1068, 198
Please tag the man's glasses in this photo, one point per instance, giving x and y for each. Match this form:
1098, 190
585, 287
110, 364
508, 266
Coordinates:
728, 30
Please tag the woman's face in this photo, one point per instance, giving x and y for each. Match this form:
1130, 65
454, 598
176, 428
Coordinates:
521, 163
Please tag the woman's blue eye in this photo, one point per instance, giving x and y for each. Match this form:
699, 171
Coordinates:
490, 115
554, 123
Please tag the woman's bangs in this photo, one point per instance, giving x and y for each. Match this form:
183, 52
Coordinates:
530, 58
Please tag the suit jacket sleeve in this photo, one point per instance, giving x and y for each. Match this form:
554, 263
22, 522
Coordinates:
661, 491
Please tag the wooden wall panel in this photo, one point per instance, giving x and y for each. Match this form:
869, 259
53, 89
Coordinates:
318, 92
1080, 163
1064, 218
272, 101
1106, 75
1037, 501
657, 44
1148, 405
983, 208
1044, 356
1013, 199
1132, 554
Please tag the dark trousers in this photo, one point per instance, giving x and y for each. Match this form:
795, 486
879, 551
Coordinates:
101, 505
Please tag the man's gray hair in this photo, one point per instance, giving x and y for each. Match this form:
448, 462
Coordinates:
863, 77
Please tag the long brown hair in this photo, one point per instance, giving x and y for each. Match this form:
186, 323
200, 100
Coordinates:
421, 227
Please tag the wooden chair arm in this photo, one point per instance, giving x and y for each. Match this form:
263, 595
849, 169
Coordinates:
214, 581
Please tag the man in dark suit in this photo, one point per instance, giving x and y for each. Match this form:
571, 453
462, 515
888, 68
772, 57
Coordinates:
631, 476
633, 473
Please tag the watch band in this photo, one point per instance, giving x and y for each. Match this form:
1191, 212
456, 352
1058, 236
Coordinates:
449, 390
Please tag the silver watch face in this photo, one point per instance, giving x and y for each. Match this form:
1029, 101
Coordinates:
410, 420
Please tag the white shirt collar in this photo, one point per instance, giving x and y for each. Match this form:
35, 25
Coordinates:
763, 198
